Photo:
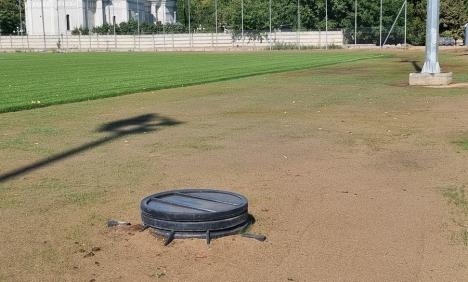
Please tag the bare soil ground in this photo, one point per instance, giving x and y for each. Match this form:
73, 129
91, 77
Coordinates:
345, 168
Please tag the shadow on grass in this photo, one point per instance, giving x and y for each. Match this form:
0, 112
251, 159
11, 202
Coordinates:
116, 129
416, 66
414, 63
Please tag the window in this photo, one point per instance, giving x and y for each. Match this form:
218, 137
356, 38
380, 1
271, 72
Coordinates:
68, 22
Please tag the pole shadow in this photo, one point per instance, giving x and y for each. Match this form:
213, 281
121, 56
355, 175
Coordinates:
116, 129
416, 66
414, 63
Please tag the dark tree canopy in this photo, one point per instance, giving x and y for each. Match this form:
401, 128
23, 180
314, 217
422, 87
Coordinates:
9, 16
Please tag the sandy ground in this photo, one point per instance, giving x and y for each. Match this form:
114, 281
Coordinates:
344, 171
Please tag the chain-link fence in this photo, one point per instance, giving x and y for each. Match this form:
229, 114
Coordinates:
273, 24
371, 36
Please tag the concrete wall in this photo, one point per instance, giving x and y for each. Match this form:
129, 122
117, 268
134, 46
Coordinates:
199, 41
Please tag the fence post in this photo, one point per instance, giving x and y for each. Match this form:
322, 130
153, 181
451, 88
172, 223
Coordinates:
115, 41
66, 38
173, 46
79, 40
27, 41
97, 40
11, 42
89, 36
154, 45
164, 39
320, 39
134, 42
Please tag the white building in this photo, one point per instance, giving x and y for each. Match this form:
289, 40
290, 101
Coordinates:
54, 17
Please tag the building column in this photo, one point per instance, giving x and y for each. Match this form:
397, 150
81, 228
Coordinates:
154, 10
99, 16
162, 12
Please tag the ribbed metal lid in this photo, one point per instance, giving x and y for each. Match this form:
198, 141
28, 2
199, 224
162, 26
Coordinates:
194, 205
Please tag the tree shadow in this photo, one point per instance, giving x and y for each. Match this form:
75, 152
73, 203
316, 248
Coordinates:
116, 129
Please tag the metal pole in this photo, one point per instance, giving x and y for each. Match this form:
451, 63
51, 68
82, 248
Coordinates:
21, 17
394, 23
381, 15
431, 64
113, 21
466, 34
242, 21
58, 18
43, 24
138, 16
66, 23
326, 24
216, 21
269, 36
298, 25
355, 22
406, 23
189, 24
87, 14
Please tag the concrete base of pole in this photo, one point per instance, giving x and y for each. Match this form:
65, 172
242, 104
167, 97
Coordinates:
430, 79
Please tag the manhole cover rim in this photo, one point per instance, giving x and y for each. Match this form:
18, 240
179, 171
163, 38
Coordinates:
234, 210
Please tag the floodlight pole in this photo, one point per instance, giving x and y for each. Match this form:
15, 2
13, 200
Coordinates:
466, 34
431, 64
431, 74
381, 16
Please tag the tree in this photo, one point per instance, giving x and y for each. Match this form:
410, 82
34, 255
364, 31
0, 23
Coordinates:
9, 16
454, 15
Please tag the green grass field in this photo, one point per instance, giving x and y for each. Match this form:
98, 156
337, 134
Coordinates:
38, 80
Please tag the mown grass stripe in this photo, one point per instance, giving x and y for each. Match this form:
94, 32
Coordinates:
65, 78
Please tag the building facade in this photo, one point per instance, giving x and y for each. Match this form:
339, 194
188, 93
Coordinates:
55, 17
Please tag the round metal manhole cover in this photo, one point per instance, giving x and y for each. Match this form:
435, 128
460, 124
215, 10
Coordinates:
195, 213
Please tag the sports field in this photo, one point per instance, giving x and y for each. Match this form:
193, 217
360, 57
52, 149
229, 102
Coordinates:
350, 173
37, 80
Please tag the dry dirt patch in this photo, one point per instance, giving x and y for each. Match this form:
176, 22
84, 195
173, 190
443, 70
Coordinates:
344, 175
